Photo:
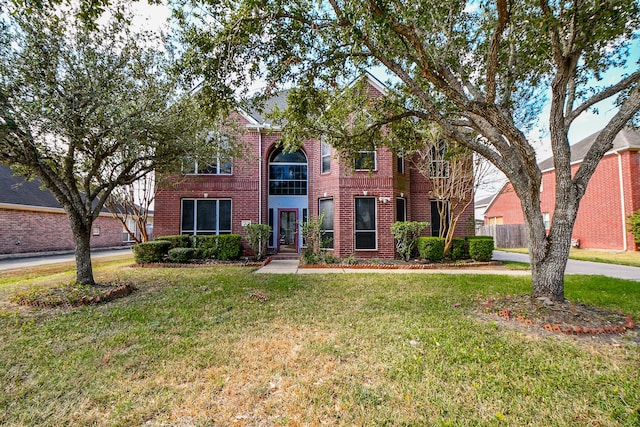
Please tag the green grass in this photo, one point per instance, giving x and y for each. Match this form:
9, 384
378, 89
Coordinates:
607, 257
194, 347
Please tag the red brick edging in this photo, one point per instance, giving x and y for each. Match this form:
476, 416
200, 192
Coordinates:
571, 330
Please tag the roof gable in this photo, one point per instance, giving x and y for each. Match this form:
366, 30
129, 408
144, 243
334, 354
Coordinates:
17, 190
627, 138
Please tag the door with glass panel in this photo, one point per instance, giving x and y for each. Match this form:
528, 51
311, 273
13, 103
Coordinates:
288, 230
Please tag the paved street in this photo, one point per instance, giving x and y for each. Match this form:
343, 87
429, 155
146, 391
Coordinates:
10, 263
580, 267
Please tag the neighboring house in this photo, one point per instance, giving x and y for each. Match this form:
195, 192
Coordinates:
31, 220
479, 207
612, 195
282, 190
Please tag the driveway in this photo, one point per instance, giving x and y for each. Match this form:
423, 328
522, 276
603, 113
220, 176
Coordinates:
581, 267
32, 261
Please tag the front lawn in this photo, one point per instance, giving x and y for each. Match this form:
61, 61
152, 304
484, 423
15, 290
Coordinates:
223, 346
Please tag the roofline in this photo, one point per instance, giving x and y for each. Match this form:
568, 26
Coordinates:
43, 209
608, 153
495, 196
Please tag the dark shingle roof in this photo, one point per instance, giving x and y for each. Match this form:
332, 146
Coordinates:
626, 139
279, 100
15, 189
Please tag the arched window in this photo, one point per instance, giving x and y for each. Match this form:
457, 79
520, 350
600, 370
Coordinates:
287, 173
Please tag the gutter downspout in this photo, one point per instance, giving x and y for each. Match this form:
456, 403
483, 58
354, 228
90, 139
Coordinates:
623, 210
259, 175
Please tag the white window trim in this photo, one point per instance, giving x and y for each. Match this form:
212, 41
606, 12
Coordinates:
333, 230
375, 161
195, 216
217, 163
375, 203
323, 155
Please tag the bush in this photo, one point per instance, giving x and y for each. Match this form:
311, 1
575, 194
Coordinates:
206, 246
634, 225
459, 249
257, 238
406, 234
181, 254
431, 248
153, 251
229, 247
481, 248
178, 241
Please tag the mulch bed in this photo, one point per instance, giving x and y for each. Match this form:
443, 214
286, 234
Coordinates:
401, 265
540, 315
74, 295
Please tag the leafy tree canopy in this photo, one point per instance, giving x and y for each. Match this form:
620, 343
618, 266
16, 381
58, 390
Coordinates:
481, 70
87, 110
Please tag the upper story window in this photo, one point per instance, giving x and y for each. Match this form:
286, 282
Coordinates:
287, 173
365, 161
325, 155
219, 166
400, 162
439, 167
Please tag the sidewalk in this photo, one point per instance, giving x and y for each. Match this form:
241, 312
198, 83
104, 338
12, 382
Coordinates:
288, 266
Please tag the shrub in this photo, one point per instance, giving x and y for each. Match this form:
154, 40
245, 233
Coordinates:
229, 246
481, 248
634, 225
458, 249
153, 251
181, 254
406, 234
431, 248
178, 241
258, 238
206, 246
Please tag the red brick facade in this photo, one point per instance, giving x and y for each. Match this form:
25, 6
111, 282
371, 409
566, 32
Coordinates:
248, 189
613, 194
25, 230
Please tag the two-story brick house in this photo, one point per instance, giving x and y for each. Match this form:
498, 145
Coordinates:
360, 201
613, 193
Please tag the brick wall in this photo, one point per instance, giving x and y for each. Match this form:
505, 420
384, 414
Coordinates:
41, 231
599, 223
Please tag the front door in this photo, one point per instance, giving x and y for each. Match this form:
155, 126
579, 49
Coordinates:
288, 230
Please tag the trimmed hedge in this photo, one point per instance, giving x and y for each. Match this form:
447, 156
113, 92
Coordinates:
178, 241
458, 249
181, 254
480, 248
153, 251
229, 246
431, 248
223, 247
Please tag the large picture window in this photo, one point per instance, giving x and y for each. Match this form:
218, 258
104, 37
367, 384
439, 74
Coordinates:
287, 173
365, 218
325, 207
206, 216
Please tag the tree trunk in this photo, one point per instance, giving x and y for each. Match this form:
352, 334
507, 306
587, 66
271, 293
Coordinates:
547, 273
82, 240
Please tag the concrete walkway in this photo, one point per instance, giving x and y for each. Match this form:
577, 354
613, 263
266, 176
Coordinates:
287, 266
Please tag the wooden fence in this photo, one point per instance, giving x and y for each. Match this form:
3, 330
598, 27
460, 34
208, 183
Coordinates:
505, 235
